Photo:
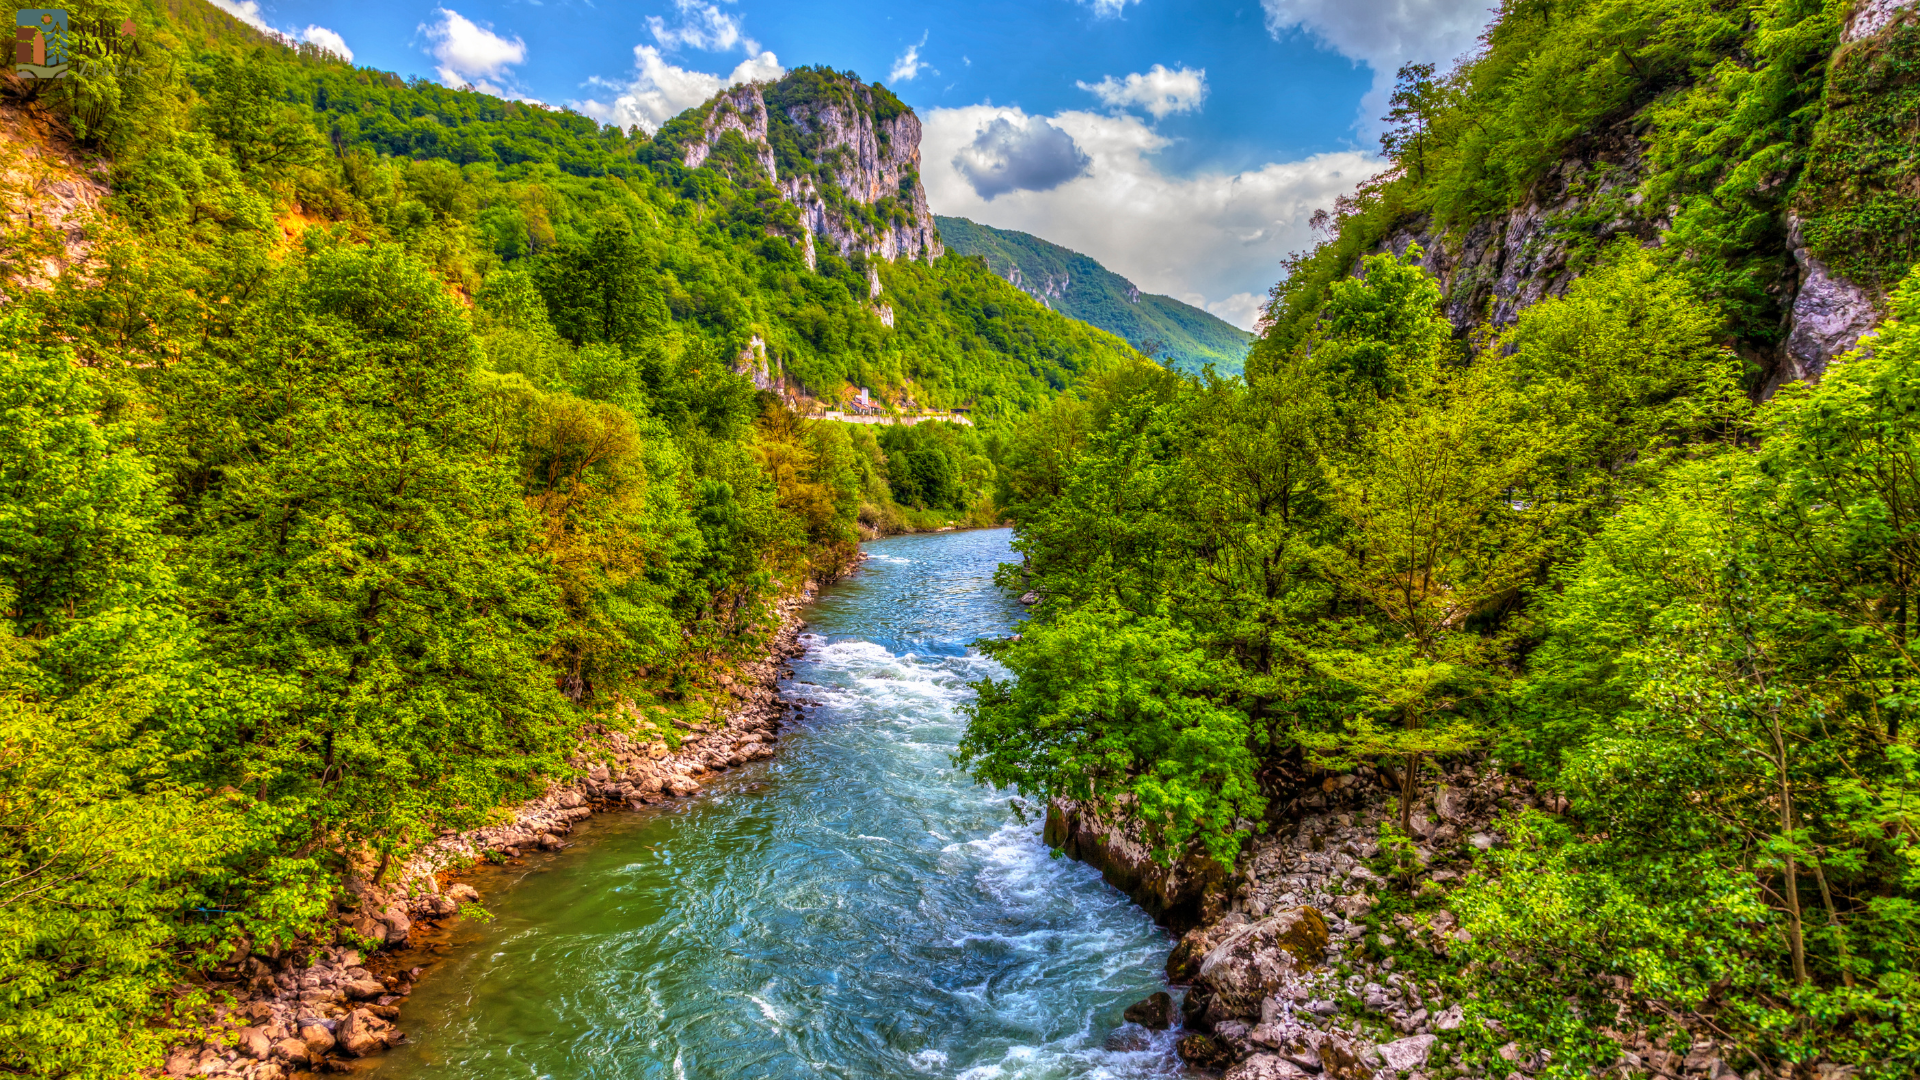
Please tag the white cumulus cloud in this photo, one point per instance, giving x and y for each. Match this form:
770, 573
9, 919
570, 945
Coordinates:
1240, 309
328, 40
471, 53
248, 11
659, 90
907, 67
1214, 239
701, 26
1384, 34
1107, 9
1160, 91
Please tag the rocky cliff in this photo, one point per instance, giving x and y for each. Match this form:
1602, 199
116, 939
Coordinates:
844, 155
1840, 236
1323, 956
1502, 263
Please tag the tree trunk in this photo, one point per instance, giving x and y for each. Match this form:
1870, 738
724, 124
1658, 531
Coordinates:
1389, 774
1833, 921
1407, 785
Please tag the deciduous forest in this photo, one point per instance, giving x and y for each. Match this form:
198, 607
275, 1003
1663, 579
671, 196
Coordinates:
378, 438
1586, 539
367, 444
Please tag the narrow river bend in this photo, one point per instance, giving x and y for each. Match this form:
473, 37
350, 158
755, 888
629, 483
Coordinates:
854, 908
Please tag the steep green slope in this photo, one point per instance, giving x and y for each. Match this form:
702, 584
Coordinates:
1504, 487
530, 182
382, 443
1074, 284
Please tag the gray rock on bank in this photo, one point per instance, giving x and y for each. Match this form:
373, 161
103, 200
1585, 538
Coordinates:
331, 1010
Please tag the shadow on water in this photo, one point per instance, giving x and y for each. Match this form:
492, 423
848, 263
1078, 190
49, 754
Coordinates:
854, 908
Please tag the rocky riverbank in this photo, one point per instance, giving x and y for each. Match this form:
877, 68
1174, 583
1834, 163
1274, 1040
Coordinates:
318, 1008
1289, 962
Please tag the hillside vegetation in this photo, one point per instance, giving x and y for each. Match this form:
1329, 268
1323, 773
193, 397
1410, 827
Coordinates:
377, 439
1073, 284
1569, 542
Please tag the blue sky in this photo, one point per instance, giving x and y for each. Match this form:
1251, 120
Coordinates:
1185, 145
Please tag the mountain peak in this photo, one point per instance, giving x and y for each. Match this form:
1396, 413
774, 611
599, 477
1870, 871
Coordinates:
844, 154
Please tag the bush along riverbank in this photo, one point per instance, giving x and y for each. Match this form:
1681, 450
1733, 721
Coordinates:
337, 494
1335, 949
1567, 448
321, 1004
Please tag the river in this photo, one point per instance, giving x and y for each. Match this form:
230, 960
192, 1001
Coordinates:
855, 907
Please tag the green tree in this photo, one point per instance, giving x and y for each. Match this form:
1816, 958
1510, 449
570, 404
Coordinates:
1127, 715
1417, 99
599, 291
354, 532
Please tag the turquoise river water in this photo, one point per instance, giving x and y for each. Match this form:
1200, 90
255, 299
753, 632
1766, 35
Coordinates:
855, 908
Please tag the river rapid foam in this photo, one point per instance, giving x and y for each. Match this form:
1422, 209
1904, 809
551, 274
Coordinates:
855, 908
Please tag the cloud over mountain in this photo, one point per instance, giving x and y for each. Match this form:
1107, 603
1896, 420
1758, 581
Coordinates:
248, 11
468, 53
1015, 152
660, 91
1094, 184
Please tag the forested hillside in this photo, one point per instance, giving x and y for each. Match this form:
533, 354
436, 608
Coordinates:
1182, 335
363, 441
1556, 459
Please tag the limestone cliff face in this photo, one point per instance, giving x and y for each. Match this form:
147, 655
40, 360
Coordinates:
1495, 269
738, 110
844, 154
1503, 264
1050, 286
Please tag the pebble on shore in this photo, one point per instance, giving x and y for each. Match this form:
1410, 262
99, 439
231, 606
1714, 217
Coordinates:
320, 1015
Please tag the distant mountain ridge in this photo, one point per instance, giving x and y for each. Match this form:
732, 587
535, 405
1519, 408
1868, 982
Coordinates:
1077, 286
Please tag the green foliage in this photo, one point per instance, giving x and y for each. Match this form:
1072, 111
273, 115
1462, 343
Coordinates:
1123, 713
1858, 198
1730, 151
1716, 107
77, 514
1559, 921
935, 466
353, 527
1582, 547
1571, 538
104, 860
1722, 692
304, 557
92, 869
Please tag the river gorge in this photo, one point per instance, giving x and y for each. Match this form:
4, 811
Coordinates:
856, 907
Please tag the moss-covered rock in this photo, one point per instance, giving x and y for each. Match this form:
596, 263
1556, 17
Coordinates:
1253, 962
1860, 199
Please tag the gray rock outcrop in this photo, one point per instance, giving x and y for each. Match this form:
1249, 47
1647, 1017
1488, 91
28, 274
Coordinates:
1869, 17
1181, 896
857, 154
1830, 314
1253, 962
1503, 264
